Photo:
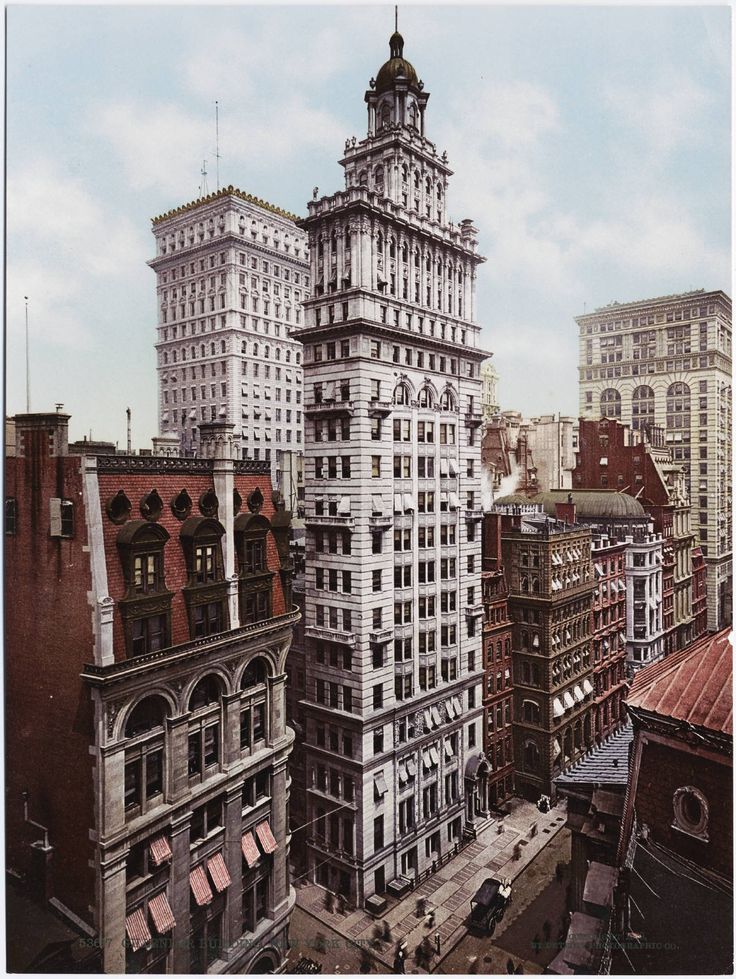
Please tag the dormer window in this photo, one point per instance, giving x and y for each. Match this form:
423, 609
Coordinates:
206, 592
146, 604
256, 580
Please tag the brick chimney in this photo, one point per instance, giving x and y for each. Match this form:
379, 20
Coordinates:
42, 434
566, 511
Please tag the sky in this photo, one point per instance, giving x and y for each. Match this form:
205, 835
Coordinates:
590, 145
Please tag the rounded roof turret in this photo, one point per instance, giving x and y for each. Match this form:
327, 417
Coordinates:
397, 68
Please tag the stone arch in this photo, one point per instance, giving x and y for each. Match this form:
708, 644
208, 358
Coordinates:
258, 668
217, 673
161, 693
610, 403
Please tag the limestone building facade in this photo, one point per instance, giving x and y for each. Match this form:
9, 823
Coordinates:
231, 274
155, 625
667, 362
393, 603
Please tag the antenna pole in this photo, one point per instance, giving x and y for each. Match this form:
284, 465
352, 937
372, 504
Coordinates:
203, 172
130, 443
28, 365
217, 145
396, 18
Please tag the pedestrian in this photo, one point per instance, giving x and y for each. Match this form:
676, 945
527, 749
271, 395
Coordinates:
472, 965
559, 872
340, 904
386, 931
329, 900
510, 968
399, 967
437, 942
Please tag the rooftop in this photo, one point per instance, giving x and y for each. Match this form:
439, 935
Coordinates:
693, 685
616, 307
219, 195
593, 503
608, 764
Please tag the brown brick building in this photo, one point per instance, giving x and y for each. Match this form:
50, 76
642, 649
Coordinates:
548, 567
498, 694
151, 618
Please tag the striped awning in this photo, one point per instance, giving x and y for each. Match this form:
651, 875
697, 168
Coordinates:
136, 928
218, 872
163, 916
160, 850
266, 837
200, 886
249, 848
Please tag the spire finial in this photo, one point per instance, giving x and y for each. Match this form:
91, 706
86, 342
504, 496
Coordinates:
396, 18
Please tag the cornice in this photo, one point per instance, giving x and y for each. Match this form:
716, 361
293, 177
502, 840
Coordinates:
229, 191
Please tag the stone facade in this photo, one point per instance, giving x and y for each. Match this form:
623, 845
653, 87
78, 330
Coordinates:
609, 635
393, 601
168, 706
644, 581
550, 577
231, 274
667, 362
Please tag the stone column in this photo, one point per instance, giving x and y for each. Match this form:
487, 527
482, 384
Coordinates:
231, 723
472, 296
234, 861
112, 759
177, 776
279, 797
276, 703
179, 891
364, 273
112, 912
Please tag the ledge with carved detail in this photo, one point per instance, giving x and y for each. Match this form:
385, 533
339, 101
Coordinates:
380, 521
381, 636
330, 520
473, 515
379, 409
473, 420
330, 635
474, 611
102, 675
323, 408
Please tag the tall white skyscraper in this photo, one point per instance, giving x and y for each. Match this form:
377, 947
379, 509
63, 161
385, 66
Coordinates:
232, 272
395, 772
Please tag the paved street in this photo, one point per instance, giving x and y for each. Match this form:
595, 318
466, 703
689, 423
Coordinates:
448, 892
538, 897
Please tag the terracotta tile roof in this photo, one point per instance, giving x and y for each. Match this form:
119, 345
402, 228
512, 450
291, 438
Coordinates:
693, 685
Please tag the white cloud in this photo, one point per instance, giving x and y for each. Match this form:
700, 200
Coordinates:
514, 115
662, 113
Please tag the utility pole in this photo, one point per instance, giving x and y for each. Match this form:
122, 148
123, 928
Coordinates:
130, 443
28, 365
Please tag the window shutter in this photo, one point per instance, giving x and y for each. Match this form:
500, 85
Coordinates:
55, 516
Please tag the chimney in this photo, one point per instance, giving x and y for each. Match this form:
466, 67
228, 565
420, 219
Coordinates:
566, 511
217, 440
44, 433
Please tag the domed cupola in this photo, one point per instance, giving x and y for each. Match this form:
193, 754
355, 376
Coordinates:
397, 68
396, 97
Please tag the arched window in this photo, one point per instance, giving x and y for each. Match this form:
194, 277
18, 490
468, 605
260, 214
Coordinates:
392, 247
363, 178
379, 243
378, 177
146, 605
145, 756
678, 406
531, 756
530, 711
256, 581
610, 403
447, 401
385, 115
206, 591
204, 742
401, 394
642, 407
254, 705
425, 398
404, 173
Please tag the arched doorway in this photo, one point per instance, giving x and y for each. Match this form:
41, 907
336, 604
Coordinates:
265, 965
477, 772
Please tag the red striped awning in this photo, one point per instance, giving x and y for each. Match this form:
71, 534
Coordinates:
137, 928
200, 886
160, 850
250, 850
218, 872
266, 837
163, 916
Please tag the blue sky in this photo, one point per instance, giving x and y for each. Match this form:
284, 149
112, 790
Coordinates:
591, 146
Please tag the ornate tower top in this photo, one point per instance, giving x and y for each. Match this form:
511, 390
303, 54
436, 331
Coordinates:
396, 97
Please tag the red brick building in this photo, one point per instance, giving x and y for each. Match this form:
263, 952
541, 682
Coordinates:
639, 462
676, 850
151, 618
498, 695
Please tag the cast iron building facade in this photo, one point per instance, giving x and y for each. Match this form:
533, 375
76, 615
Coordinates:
393, 601
151, 626
231, 274
667, 362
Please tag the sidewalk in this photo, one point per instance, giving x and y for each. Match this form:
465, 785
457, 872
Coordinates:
448, 891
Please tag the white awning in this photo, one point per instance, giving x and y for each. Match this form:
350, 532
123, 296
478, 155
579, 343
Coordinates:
444, 468
579, 695
557, 709
458, 705
428, 720
450, 709
453, 467
558, 747
587, 686
444, 498
343, 507
164, 416
426, 759
377, 503
568, 637
567, 700
652, 603
622, 636
448, 750
411, 767
535, 641
454, 504
598, 570
403, 776
398, 506
409, 503
436, 717
193, 414
434, 755
379, 784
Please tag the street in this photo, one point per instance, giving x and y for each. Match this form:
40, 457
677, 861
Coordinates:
537, 898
